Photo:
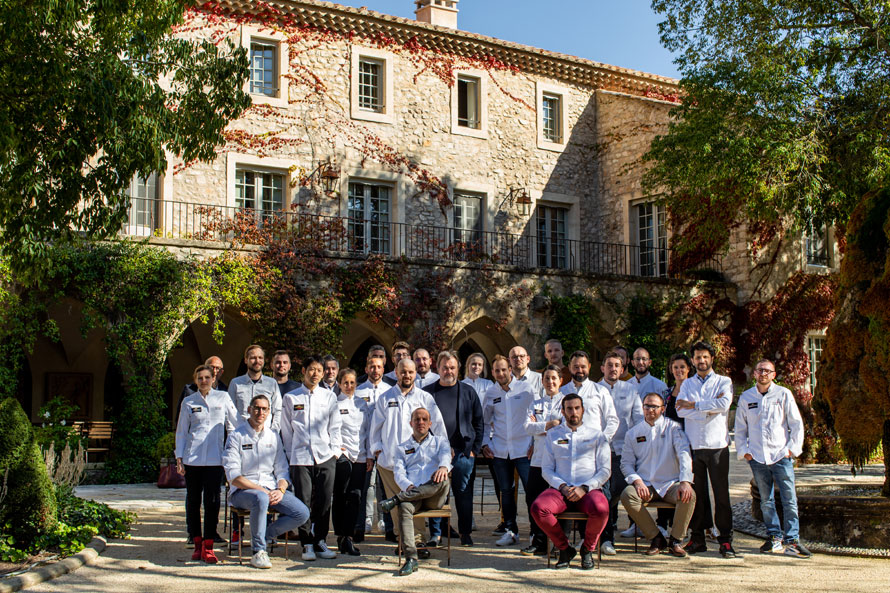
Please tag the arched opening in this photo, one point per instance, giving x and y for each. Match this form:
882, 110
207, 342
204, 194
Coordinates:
360, 356
363, 333
485, 336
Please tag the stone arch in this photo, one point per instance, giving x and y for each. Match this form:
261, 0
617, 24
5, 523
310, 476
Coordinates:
361, 334
483, 335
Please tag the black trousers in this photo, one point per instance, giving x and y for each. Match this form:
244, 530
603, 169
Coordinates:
536, 485
349, 481
314, 485
202, 485
711, 464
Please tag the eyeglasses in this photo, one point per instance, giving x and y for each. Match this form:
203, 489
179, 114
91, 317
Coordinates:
764, 371
260, 410
650, 407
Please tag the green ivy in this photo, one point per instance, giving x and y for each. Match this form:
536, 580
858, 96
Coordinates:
573, 316
643, 331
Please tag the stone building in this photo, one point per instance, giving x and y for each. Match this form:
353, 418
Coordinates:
419, 137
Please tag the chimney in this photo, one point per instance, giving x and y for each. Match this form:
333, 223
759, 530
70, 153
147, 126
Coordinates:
437, 12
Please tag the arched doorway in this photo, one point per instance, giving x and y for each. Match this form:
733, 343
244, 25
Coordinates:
363, 333
485, 336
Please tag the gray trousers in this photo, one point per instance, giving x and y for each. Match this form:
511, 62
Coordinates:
427, 496
633, 504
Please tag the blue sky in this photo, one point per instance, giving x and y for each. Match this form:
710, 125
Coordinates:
618, 32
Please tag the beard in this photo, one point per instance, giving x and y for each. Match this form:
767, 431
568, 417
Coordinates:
580, 377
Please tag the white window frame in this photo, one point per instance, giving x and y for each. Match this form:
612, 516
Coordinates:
813, 361
805, 239
634, 220
235, 161
573, 227
393, 239
251, 34
133, 228
386, 112
562, 93
482, 80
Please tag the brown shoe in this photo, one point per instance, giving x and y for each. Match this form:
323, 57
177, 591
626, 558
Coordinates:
675, 547
658, 544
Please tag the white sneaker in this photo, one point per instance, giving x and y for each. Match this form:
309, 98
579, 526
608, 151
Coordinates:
308, 553
261, 560
324, 551
508, 539
381, 526
631, 531
369, 526
607, 549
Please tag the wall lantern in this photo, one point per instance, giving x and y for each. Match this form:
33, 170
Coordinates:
519, 197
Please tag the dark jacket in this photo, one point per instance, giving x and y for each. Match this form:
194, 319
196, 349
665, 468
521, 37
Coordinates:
469, 412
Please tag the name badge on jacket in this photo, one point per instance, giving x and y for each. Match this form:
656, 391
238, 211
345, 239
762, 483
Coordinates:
562, 442
409, 451
247, 446
752, 405
392, 404
196, 409
497, 400
298, 407
343, 411
539, 410
641, 439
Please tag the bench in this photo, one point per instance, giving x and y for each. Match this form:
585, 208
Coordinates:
574, 516
443, 513
99, 434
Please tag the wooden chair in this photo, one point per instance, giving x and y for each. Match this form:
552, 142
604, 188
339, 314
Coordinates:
574, 516
238, 516
661, 504
443, 513
99, 434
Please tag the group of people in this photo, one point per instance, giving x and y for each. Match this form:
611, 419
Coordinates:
319, 451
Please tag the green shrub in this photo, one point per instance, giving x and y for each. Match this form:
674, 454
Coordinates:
56, 426
78, 512
166, 446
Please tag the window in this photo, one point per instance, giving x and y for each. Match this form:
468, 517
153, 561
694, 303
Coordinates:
369, 218
816, 244
815, 345
652, 239
468, 102
260, 191
370, 84
550, 116
143, 194
264, 68
552, 237
468, 220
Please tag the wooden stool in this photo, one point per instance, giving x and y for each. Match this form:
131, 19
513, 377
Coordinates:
443, 513
574, 516
651, 505
237, 516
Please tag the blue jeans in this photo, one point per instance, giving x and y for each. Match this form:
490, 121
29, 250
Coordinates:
462, 487
292, 513
781, 473
503, 469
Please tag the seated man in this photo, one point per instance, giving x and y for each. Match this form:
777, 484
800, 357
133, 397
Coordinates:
576, 463
657, 463
257, 470
421, 467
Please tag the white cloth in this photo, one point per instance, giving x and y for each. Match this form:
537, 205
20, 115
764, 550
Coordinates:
530, 381
370, 392
628, 407
258, 456
310, 426
355, 421
542, 410
428, 379
391, 421
577, 458
480, 385
200, 430
658, 455
647, 385
769, 425
599, 411
505, 413
415, 463
243, 389
706, 425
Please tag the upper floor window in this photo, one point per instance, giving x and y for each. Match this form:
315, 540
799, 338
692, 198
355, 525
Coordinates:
550, 118
143, 194
468, 103
468, 219
815, 346
369, 217
261, 191
553, 125
370, 84
264, 68
816, 244
651, 236
552, 236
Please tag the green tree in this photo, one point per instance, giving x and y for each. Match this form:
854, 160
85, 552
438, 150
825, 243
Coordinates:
92, 93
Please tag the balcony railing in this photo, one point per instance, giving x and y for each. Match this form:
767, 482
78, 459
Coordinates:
349, 236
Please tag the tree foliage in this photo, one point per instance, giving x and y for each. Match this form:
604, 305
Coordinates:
93, 92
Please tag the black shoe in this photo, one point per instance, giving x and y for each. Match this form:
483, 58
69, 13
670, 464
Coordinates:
466, 541
391, 537
565, 557
218, 539
409, 567
189, 542
694, 547
389, 504
726, 550
587, 562
534, 550
433, 543
358, 537
347, 547
423, 553
500, 529
453, 534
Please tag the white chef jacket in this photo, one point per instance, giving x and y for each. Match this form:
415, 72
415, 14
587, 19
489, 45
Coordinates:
542, 410
391, 421
355, 420
480, 385
768, 425
242, 389
628, 407
658, 455
531, 381
505, 412
429, 379
577, 458
647, 385
310, 426
415, 463
199, 431
258, 456
599, 411
370, 392
706, 424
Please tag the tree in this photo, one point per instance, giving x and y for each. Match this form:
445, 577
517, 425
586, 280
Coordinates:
92, 93
785, 117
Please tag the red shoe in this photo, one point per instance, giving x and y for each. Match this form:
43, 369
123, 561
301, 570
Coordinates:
207, 554
196, 555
